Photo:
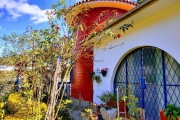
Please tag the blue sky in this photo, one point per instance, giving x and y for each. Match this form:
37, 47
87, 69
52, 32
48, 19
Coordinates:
16, 15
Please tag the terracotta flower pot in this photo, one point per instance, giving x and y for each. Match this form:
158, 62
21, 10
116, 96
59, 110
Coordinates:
162, 115
122, 105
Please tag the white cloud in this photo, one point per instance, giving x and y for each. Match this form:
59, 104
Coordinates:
18, 8
0, 27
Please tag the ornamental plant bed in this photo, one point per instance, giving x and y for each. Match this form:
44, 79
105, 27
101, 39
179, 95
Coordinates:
97, 78
171, 112
133, 111
122, 105
162, 115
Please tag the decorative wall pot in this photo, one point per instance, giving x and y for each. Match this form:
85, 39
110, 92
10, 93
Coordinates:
162, 115
97, 78
104, 73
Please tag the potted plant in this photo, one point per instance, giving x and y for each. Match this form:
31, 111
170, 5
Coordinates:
171, 112
162, 117
104, 71
134, 112
106, 96
97, 78
110, 100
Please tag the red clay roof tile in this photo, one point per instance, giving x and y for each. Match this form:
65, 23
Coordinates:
124, 1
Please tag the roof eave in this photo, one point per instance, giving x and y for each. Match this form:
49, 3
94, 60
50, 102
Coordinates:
129, 13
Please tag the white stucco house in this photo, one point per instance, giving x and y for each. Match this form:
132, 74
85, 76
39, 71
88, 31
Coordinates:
149, 51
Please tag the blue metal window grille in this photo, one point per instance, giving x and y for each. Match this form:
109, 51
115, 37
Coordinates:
162, 79
67, 85
71, 75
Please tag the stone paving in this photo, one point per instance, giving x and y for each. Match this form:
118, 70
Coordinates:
76, 115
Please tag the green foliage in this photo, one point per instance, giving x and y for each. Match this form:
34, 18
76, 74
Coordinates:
4, 97
15, 102
97, 78
126, 27
87, 114
2, 111
172, 112
107, 96
118, 118
63, 112
22, 109
140, 1
12, 118
131, 102
110, 99
3, 106
34, 54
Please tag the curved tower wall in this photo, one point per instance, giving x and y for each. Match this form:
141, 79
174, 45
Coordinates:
82, 82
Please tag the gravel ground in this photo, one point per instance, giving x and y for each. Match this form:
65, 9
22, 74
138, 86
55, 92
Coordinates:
6, 87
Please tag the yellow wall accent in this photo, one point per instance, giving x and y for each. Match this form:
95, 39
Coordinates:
141, 24
111, 4
155, 21
158, 17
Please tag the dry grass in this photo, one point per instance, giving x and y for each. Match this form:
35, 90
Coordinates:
6, 76
7, 79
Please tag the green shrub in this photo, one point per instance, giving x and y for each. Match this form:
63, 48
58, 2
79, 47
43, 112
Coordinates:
64, 114
15, 102
107, 96
172, 112
19, 108
12, 118
97, 78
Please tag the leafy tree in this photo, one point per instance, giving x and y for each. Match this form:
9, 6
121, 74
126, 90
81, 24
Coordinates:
45, 57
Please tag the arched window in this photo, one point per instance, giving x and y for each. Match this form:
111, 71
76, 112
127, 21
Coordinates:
161, 73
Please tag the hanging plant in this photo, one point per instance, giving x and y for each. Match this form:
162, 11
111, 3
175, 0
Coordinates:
97, 78
104, 71
140, 1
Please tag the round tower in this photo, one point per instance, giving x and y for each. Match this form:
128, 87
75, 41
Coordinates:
99, 13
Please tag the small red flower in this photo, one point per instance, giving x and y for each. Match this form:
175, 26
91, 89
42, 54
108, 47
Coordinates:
57, 27
118, 35
104, 69
52, 12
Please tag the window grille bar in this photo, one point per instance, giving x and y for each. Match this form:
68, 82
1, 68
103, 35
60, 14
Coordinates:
164, 80
141, 62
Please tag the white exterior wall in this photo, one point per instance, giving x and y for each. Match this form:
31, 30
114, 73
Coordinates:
161, 30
